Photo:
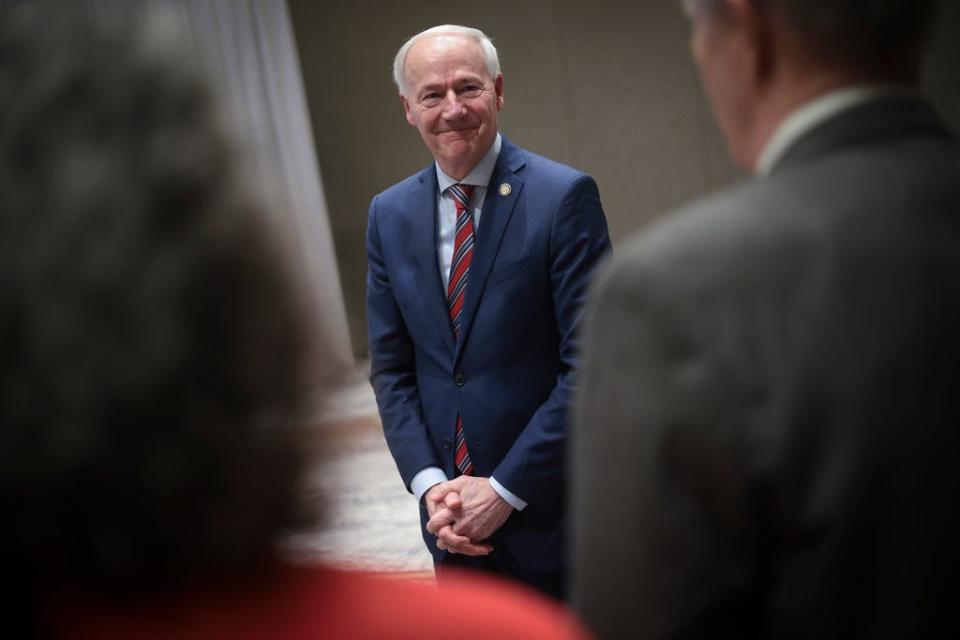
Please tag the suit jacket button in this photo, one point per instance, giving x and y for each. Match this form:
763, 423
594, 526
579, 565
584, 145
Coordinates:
459, 380
447, 445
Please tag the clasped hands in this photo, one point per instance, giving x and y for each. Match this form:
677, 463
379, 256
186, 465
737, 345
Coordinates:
464, 513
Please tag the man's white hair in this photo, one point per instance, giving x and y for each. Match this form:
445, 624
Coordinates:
486, 46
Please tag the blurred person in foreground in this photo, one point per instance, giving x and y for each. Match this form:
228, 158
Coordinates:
766, 442
155, 369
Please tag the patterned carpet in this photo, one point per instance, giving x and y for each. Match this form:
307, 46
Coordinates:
372, 522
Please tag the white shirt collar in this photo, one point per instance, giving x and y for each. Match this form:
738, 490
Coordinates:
481, 174
809, 115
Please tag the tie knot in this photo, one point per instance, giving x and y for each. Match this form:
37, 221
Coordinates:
461, 194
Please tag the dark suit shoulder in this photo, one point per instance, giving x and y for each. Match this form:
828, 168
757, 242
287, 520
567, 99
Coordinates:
541, 166
892, 200
716, 235
885, 181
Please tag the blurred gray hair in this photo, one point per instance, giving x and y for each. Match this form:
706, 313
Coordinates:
154, 380
490, 57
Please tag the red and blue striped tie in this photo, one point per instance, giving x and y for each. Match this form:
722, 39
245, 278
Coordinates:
456, 292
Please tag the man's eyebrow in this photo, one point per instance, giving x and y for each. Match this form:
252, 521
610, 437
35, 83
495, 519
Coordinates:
433, 86
470, 77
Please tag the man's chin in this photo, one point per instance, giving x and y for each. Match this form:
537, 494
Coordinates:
457, 148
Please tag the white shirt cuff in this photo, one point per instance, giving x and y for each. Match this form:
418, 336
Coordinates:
514, 501
425, 479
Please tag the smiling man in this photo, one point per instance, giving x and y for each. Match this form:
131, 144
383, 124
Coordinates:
478, 267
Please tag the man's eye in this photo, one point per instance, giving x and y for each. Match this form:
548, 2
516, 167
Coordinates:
430, 100
471, 91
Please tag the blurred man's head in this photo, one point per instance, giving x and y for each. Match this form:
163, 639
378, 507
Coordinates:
451, 89
151, 336
760, 58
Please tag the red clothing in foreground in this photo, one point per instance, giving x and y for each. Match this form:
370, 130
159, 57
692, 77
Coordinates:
327, 603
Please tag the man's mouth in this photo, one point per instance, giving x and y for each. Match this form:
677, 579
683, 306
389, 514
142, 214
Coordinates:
456, 129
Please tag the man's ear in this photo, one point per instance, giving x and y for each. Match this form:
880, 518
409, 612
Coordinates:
408, 110
498, 87
754, 28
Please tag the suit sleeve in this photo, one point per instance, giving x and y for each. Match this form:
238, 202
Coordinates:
392, 372
534, 468
661, 538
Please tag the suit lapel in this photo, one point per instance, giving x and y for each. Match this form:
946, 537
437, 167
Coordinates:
497, 210
424, 213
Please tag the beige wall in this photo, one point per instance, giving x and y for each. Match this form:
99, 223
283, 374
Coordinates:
606, 86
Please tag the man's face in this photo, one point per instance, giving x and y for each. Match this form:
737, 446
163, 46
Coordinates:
724, 67
452, 100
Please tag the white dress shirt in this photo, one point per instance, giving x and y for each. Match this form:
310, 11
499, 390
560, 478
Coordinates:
479, 178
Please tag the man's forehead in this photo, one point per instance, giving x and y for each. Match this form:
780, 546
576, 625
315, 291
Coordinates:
443, 53
451, 42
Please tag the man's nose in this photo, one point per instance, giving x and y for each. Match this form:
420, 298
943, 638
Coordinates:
453, 106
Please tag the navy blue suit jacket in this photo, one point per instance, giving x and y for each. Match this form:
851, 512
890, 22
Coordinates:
510, 372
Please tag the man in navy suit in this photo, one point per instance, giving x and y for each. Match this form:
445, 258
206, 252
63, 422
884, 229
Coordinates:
478, 268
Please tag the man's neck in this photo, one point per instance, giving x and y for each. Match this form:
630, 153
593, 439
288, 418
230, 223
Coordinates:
459, 170
487, 161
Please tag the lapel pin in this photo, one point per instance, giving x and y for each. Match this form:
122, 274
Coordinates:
505, 189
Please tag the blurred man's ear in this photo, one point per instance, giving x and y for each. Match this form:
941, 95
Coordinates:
748, 26
732, 44
756, 30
